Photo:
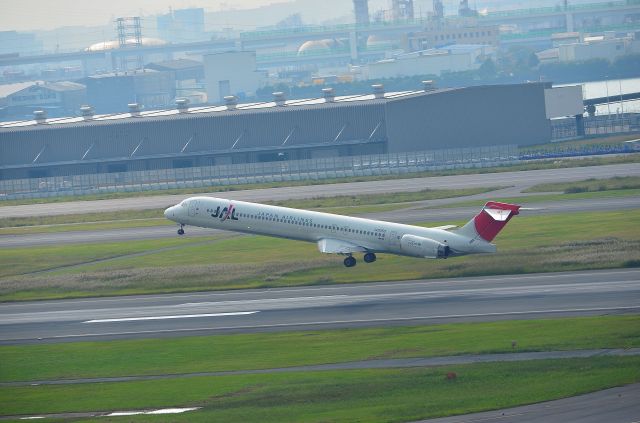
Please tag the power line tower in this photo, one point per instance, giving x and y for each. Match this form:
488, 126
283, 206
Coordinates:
130, 38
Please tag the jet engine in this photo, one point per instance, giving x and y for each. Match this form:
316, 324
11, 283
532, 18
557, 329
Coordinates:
418, 246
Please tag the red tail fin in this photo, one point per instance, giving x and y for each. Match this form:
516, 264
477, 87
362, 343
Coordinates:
493, 217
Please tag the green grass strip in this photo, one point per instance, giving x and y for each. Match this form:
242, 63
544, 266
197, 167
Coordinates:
590, 185
355, 395
286, 349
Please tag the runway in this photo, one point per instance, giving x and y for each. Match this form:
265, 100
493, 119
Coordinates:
323, 307
520, 179
410, 215
615, 405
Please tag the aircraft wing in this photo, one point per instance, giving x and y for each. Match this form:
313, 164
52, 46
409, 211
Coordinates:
337, 246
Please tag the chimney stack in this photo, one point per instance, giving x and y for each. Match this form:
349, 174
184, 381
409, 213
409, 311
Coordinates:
428, 85
134, 109
231, 101
40, 116
378, 90
87, 112
182, 104
279, 98
329, 95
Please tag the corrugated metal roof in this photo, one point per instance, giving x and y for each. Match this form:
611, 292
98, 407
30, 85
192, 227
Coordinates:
8, 89
203, 110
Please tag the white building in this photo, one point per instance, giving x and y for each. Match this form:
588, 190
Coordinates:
231, 73
600, 47
452, 58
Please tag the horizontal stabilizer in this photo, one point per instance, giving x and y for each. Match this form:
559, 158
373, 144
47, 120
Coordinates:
337, 246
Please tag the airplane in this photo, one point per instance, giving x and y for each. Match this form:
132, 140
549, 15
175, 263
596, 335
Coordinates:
345, 235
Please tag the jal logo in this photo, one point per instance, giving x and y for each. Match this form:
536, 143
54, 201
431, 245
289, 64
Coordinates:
226, 213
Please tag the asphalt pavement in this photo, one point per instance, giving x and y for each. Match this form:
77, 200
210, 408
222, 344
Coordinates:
615, 405
323, 307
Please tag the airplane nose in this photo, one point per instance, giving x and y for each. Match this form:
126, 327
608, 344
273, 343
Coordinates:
168, 213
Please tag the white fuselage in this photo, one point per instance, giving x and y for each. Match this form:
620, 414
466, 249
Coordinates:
305, 225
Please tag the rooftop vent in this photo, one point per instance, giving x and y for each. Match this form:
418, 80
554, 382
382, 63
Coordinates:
378, 90
231, 101
428, 85
87, 112
279, 98
134, 109
329, 95
182, 104
40, 116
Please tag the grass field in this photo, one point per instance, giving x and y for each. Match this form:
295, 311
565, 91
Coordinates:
352, 395
590, 185
285, 349
559, 242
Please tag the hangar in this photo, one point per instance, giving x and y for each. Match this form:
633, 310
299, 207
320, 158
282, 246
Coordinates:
378, 122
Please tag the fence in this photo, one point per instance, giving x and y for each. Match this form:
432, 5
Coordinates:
596, 125
249, 173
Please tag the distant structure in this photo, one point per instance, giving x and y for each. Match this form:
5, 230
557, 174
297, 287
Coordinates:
361, 10
436, 34
13, 42
130, 36
231, 73
21, 99
438, 10
465, 11
452, 58
402, 9
110, 93
182, 25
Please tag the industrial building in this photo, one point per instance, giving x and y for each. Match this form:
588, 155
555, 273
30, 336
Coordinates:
231, 73
328, 126
110, 93
453, 58
62, 98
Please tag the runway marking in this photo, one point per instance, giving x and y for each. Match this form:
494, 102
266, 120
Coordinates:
393, 319
179, 316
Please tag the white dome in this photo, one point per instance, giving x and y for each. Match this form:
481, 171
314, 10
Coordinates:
111, 45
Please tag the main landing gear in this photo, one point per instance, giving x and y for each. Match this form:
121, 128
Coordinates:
350, 261
181, 229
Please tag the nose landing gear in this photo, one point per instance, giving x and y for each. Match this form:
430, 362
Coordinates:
181, 229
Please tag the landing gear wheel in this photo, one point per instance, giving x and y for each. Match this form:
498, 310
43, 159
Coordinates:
369, 258
350, 261
181, 230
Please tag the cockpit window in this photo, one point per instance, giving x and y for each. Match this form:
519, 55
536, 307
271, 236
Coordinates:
184, 203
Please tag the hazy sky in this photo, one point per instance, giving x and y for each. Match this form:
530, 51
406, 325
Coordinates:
26, 15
